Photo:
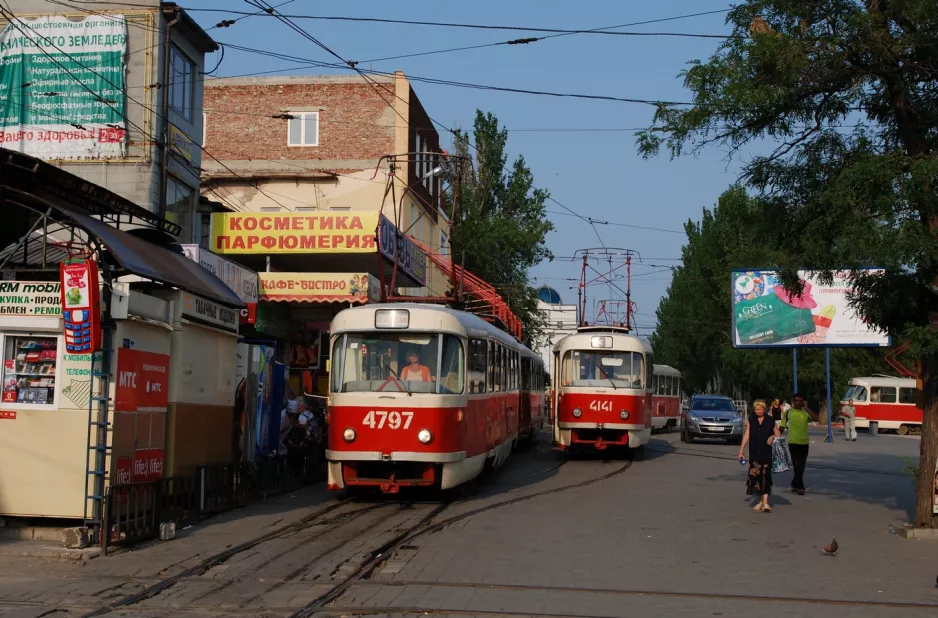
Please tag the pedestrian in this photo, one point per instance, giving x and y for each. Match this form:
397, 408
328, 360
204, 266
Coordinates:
796, 423
776, 411
759, 435
848, 414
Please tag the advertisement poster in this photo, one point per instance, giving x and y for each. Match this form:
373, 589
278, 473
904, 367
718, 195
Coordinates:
72, 108
142, 381
261, 233
766, 315
80, 305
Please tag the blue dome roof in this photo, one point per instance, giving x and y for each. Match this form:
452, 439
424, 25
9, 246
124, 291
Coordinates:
549, 295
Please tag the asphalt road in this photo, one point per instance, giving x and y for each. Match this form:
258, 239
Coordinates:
668, 534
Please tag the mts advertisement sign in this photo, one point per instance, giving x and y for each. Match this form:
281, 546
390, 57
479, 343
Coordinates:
262, 233
62, 87
142, 381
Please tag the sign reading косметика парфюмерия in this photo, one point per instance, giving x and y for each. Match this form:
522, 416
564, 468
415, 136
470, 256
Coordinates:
765, 314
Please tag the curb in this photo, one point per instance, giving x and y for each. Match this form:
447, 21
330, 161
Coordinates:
45, 552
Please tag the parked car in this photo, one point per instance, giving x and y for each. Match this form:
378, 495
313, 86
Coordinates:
712, 416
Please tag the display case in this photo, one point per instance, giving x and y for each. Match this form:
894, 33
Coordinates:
30, 370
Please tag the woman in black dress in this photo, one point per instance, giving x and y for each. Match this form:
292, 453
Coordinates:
759, 435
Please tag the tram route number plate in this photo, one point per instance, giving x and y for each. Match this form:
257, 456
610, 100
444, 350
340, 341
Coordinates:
379, 419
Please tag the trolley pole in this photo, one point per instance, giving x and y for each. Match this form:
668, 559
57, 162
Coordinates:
830, 409
794, 368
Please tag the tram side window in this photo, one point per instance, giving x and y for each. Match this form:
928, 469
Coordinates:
451, 366
883, 394
478, 365
493, 368
503, 356
908, 396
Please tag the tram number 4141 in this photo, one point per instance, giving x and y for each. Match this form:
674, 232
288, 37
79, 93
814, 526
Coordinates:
379, 419
601, 406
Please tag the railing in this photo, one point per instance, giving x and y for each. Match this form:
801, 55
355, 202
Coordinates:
134, 512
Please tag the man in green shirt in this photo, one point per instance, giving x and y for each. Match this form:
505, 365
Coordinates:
796, 421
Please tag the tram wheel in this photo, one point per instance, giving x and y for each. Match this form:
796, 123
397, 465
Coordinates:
903, 430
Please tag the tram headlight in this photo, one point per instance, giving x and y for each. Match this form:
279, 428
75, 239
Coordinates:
577, 413
624, 414
425, 436
349, 435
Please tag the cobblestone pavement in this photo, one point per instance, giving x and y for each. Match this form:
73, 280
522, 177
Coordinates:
672, 534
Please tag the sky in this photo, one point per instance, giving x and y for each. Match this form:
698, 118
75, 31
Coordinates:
597, 174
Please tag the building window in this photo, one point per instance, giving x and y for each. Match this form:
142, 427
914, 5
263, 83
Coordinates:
444, 244
181, 83
306, 209
180, 204
205, 230
270, 208
303, 129
29, 377
340, 208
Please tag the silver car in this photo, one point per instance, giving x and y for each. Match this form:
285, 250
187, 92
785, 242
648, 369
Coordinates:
712, 416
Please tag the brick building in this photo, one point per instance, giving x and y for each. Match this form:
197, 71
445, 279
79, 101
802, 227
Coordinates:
324, 143
135, 137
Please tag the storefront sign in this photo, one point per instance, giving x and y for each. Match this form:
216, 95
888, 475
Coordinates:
249, 313
8, 415
146, 465
62, 87
314, 287
81, 308
31, 298
242, 281
263, 233
213, 313
180, 143
142, 381
411, 258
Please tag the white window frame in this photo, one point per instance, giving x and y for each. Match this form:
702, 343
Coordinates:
301, 117
59, 361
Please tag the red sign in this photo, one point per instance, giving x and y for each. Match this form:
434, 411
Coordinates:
9, 415
142, 380
249, 314
81, 308
146, 465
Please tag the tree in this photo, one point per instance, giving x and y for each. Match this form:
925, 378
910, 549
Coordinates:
694, 316
500, 225
847, 90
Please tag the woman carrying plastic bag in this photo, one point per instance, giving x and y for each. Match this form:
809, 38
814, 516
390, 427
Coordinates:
781, 458
760, 435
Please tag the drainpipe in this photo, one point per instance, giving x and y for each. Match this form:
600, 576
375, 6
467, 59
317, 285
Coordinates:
164, 107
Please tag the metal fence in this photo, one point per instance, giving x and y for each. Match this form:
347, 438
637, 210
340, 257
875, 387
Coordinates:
134, 512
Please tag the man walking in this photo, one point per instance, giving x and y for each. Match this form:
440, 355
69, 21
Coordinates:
848, 414
796, 421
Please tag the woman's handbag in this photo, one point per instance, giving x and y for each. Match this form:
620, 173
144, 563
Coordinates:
781, 458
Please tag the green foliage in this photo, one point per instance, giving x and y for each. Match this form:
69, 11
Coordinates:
501, 223
694, 317
839, 101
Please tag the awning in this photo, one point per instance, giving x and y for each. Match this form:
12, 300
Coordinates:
154, 262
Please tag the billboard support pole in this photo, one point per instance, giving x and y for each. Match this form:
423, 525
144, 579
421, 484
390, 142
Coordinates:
830, 410
794, 368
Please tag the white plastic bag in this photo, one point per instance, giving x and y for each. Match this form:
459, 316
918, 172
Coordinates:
781, 458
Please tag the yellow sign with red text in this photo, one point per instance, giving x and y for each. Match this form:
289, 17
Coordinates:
266, 233
318, 287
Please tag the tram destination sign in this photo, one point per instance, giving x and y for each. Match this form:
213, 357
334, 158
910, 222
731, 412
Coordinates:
765, 315
31, 298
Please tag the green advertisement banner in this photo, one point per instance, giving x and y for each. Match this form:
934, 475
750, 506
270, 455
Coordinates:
62, 87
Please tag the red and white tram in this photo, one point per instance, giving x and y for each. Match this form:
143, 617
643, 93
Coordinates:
890, 402
666, 398
603, 389
422, 396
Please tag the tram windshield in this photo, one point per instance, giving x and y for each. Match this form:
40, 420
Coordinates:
603, 369
397, 362
855, 392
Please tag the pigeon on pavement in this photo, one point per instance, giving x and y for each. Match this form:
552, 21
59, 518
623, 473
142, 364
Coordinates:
831, 550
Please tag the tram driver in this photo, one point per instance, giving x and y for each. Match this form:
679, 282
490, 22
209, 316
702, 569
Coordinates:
415, 372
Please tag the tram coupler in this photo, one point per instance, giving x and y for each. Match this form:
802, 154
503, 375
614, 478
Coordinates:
390, 487
600, 445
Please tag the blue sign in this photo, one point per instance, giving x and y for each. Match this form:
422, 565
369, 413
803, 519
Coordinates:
410, 258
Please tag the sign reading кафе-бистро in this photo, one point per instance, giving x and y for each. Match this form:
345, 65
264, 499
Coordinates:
62, 87
31, 298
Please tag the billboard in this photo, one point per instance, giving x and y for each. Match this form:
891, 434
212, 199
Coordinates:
247, 233
62, 87
766, 315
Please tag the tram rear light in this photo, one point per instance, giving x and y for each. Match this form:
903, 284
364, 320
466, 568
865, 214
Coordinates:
349, 435
425, 436
577, 413
392, 318
624, 414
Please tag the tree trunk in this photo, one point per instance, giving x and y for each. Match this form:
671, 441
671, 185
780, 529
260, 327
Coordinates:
928, 461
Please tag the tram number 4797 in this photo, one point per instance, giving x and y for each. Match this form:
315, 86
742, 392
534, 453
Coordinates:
601, 406
378, 419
